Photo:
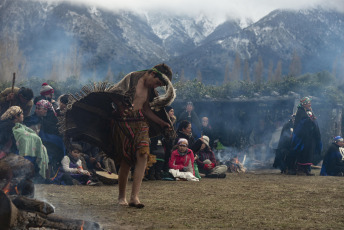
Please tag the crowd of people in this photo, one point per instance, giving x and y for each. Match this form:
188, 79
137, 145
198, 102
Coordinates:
187, 155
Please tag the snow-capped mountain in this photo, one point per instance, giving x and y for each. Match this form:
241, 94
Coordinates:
316, 36
127, 41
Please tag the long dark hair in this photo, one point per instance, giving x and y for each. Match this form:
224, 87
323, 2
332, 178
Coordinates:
183, 125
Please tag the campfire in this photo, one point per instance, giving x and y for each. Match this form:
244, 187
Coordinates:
18, 209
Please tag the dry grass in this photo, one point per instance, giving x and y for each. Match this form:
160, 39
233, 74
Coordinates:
256, 200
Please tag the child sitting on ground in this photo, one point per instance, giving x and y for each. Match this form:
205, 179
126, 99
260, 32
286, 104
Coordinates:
72, 172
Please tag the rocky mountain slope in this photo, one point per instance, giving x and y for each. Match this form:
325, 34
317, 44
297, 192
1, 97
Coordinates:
127, 41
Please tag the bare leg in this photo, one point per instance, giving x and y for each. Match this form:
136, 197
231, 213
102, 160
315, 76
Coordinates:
140, 168
122, 182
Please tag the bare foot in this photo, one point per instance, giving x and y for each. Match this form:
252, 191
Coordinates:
122, 202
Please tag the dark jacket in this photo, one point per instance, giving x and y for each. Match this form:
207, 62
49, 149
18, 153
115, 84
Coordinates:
193, 145
333, 164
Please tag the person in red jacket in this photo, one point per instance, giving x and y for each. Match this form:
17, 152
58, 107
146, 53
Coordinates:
182, 158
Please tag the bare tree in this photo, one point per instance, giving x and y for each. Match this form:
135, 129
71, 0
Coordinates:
236, 71
270, 71
226, 77
246, 74
295, 65
278, 71
258, 71
182, 76
199, 75
66, 65
12, 59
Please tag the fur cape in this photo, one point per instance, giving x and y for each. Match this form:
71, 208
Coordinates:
90, 113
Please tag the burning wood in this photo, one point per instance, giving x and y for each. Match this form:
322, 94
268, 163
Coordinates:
234, 165
15, 175
23, 212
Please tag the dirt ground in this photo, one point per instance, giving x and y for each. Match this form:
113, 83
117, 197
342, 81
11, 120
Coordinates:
262, 199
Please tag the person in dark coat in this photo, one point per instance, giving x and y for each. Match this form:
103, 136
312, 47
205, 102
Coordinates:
190, 115
306, 141
185, 131
283, 160
333, 164
207, 130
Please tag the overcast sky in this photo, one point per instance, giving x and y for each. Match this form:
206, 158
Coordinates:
254, 9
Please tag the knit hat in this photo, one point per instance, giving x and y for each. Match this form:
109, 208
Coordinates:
182, 140
46, 89
11, 112
44, 104
337, 139
305, 100
205, 140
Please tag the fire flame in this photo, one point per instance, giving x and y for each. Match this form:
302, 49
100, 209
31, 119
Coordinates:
82, 226
16, 188
6, 189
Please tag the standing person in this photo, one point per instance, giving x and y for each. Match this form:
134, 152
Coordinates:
47, 93
306, 140
207, 130
168, 142
170, 112
190, 115
120, 120
21, 97
333, 164
283, 160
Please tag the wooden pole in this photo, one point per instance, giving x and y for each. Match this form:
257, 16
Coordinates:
13, 82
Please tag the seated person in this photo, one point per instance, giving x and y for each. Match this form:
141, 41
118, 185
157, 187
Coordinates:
333, 164
185, 131
72, 172
21, 97
44, 122
156, 149
205, 159
14, 168
182, 158
182, 162
29, 144
90, 154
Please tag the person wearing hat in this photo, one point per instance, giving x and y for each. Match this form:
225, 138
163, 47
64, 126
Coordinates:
182, 158
333, 163
47, 93
44, 122
206, 161
306, 140
21, 97
29, 144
